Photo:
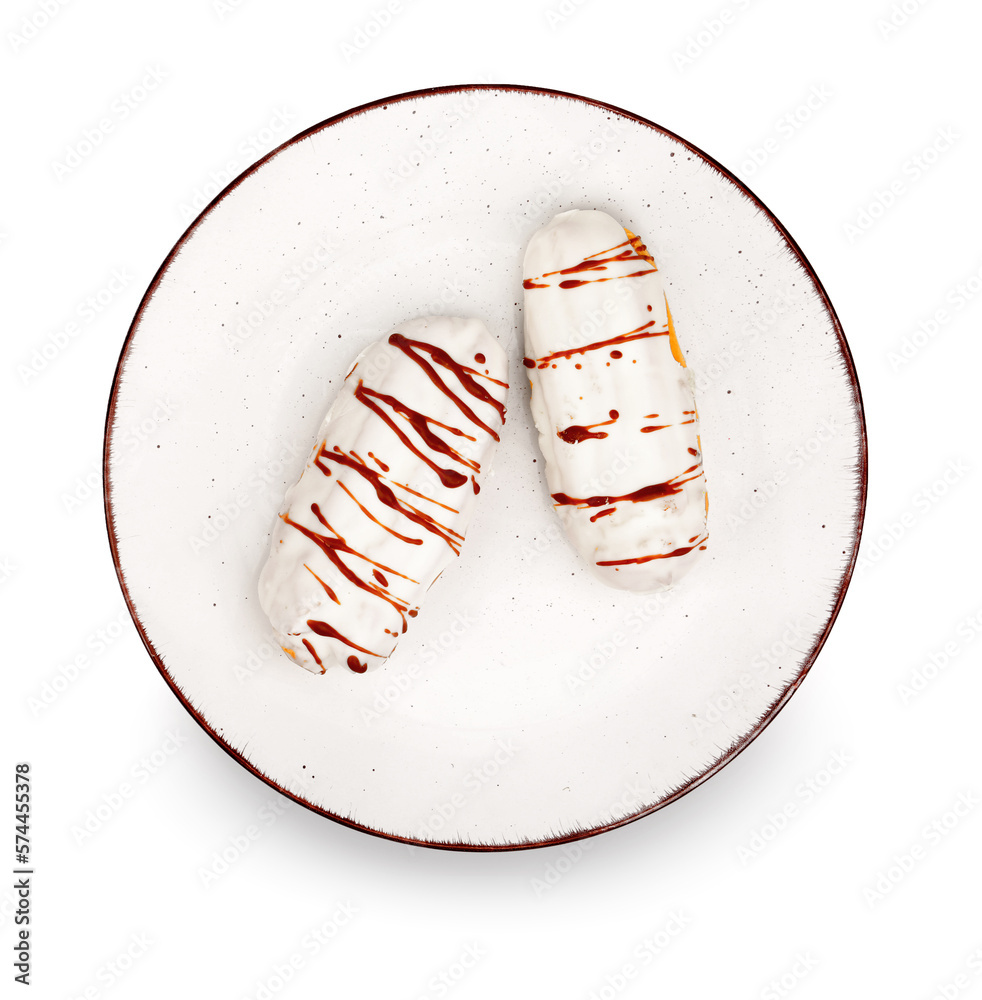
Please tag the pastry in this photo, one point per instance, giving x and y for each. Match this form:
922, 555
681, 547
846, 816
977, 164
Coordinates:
613, 403
385, 498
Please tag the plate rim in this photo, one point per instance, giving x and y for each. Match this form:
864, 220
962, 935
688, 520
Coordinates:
862, 469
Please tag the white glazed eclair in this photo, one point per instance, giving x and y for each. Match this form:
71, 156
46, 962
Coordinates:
385, 498
613, 403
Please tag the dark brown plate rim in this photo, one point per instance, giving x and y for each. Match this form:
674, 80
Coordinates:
725, 757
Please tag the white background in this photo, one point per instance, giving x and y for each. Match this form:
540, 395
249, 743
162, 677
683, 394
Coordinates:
837, 856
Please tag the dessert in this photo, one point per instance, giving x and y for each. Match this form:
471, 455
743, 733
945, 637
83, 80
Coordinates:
385, 498
613, 403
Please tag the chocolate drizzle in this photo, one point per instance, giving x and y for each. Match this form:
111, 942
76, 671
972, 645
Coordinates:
685, 550
617, 262
639, 333
634, 249
322, 628
576, 433
434, 443
656, 491
421, 424
313, 653
606, 512
414, 349
387, 497
328, 590
576, 282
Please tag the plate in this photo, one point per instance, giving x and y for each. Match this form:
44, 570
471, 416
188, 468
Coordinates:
529, 704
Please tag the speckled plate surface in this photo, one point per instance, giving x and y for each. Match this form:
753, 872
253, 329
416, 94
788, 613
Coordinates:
528, 703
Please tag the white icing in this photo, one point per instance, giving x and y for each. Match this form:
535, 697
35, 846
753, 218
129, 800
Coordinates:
646, 380
374, 619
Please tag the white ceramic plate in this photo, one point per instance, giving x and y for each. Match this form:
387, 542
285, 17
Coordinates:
528, 703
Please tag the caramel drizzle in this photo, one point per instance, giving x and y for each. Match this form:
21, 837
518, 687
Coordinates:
313, 653
595, 262
423, 496
411, 349
603, 513
386, 407
372, 517
332, 547
420, 423
330, 592
685, 550
656, 491
386, 496
576, 282
638, 333
576, 433
322, 628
